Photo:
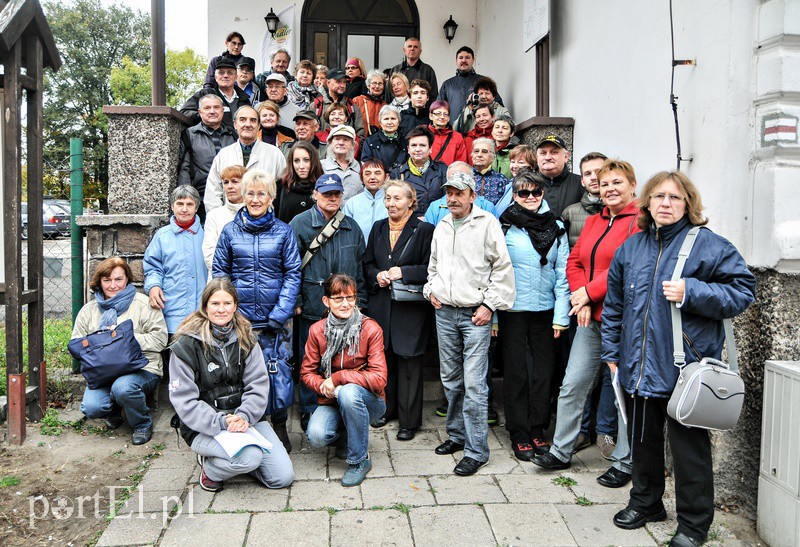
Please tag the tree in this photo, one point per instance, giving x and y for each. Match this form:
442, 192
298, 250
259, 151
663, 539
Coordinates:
92, 40
131, 82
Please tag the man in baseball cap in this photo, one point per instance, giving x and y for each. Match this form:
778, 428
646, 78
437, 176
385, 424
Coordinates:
245, 71
225, 88
306, 126
334, 93
341, 161
275, 85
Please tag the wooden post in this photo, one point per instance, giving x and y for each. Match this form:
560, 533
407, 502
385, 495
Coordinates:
42, 389
16, 409
158, 53
543, 77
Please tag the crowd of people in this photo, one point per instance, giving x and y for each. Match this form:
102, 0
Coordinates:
356, 218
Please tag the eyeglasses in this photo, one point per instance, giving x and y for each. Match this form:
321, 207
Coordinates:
236, 44
660, 197
442, 114
525, 194
259, 195
351, 298
351, 68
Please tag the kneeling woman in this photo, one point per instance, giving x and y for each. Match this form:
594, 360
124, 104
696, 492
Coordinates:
344, 363
218, 382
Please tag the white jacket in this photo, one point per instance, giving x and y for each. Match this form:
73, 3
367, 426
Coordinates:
471, 267
263, 157
216, 220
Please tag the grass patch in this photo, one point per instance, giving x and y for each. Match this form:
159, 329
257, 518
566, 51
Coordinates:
565, 481
402, 507
51, 424
332, 510
584, 502
135, 478
377, 508
9, 481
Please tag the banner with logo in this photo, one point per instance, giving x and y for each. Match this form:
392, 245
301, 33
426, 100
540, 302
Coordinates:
283, 39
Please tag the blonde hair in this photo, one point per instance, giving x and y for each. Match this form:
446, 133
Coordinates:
403, 79
271, 106
255, 176
410, 192
694, 205
622, 167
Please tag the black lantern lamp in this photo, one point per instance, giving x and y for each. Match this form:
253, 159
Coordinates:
450, 29
272, 22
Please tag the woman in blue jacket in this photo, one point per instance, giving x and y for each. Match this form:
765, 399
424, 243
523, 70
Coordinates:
259, 254
637, 344
539, 248
175, 273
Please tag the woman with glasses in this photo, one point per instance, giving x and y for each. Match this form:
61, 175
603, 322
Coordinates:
538, 246
448, 145
637, 345
587, 273
356, 78
234, 43
372, 101
344, 364
259, 254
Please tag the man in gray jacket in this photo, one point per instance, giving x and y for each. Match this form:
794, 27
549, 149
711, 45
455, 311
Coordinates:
469, 278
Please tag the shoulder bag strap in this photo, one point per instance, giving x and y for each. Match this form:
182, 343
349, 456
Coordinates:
403, 252
319, 241
679, 357
444, 146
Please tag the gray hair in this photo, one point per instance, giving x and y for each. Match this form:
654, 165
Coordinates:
461, 166
506, 118
254, 176
527, 177
280, 50
185, 191
376, 73
488, 142
390, 108
331, 155
209, 97
236, 114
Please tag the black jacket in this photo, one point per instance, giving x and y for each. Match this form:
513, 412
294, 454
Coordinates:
413, 117
210, 81
428, 186
192, 105
196, 153
455, 91
562, 191
290, 203
404, 324
392, 152
421, 71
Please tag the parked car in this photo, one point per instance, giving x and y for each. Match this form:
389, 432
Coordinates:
55, 220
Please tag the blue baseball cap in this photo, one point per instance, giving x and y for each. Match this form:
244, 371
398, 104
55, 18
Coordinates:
329, 182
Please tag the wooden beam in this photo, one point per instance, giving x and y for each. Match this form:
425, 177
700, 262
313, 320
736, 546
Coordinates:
543, 77
158, 53
28, 82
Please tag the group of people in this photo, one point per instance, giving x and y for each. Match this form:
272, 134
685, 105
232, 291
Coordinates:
454, 233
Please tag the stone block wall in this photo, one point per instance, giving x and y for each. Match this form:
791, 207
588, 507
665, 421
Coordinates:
533, 130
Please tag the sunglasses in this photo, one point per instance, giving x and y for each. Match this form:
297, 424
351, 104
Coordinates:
536, 192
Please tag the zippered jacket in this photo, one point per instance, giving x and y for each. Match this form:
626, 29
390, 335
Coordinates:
636, 324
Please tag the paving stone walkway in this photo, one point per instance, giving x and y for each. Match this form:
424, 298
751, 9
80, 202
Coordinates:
411, 497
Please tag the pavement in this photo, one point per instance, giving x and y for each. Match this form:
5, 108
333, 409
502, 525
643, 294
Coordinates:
411, 497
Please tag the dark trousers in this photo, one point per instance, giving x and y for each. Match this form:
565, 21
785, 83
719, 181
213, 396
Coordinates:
526, 387
404, 389
691, 456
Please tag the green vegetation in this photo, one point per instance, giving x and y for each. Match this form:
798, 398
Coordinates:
51, 424
584, 502
402, 507
8, 481
565, 481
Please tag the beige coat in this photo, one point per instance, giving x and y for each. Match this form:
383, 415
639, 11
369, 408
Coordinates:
149, 328
471, 267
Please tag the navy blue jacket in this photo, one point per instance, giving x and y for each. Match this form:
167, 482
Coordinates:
264, 265
636, 324
343, 253
392, 152
428, 186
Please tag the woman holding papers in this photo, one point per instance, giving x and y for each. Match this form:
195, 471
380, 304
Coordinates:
218, 383
587, 271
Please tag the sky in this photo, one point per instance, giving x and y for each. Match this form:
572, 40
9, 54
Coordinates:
186, 22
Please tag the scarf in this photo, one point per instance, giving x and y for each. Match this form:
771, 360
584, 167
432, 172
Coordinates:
114, 306
187, 225
418, 171
396, 228
341, 334
221, 333
259, 222
402, 104
542, 228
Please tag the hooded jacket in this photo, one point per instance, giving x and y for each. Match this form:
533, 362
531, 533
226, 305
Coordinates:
575, 215
456, 149
637, 328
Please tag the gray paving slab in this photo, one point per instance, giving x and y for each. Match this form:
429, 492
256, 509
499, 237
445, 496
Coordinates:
590, 460
309, 465
378, 440
518, 524
207, 530
324, 494
500, 462
132, 531
533, 489
167, 478
152, 501
451, 525
454, 490
381, 466
380, 527
297, 528
175, 458
385, 492
196, 501
588, 487
424, 440
412, 462
592, 525
251, 496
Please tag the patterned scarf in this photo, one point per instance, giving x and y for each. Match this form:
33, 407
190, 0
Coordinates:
341, 334
114, 306
221, 333
418, 171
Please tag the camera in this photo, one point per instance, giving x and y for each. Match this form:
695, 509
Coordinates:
474, 100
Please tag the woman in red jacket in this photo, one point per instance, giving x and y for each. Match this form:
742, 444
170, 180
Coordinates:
448, 145
587, 271
344, 363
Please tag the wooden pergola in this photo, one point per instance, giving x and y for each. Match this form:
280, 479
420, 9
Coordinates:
26, 48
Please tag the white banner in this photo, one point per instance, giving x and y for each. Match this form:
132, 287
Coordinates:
283, 39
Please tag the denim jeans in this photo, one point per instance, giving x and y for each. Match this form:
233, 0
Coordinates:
356, 408
308, 399
463, 361
582, 373
606, 409
273, 469
129, 392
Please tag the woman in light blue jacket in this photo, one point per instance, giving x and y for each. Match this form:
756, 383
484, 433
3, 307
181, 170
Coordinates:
175, 273
539, 248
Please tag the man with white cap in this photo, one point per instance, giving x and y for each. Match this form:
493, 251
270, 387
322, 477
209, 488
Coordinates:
341, 162
275, 85
469, 278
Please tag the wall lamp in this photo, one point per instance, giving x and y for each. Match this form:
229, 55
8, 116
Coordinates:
450, 29
272, 22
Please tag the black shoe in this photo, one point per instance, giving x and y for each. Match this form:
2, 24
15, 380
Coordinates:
492, 418
304, 417
630, 519
448, 447
380, 422
468, 466
550, 462
113, 422
441, 410
142, 436
614, 478
283, 435
523, 451
682, 540
406, 433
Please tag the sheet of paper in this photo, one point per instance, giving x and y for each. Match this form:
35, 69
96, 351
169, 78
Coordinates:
619, 393
233, 443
